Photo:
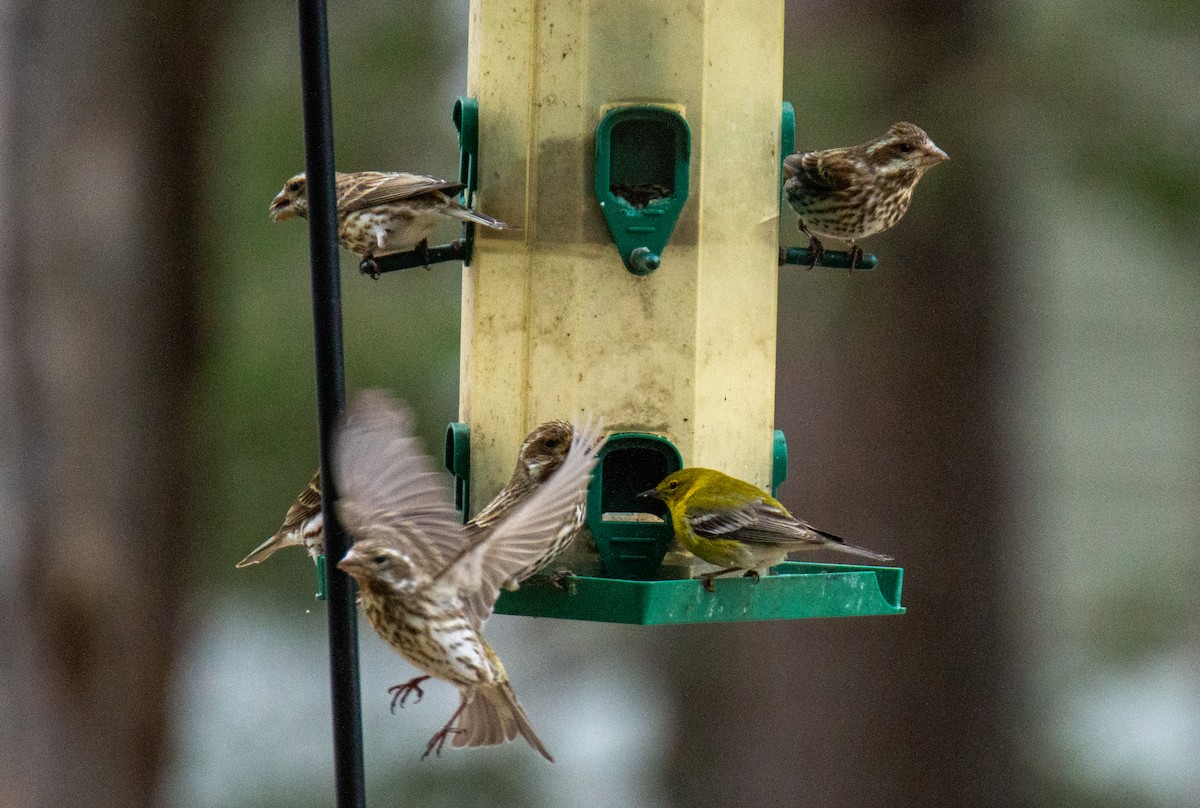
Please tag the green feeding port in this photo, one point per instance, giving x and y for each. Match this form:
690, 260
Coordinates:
458, 463
633, 534
466, 121
643, 157
779, 460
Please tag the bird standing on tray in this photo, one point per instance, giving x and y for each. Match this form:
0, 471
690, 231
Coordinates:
857, 191
382, 212
543, 451
738, 526
426, 584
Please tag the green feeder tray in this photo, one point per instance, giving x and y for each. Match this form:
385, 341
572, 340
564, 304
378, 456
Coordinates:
793, 591
632, 535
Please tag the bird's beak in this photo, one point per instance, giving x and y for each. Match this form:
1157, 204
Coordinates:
350, 564
651, 494
281, 208
936, 156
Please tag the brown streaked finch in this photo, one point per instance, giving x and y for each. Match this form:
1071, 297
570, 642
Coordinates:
381, 212
858, 191
426, 585
302, 527
542, 452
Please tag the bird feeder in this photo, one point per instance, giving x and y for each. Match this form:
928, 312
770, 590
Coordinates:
641, 289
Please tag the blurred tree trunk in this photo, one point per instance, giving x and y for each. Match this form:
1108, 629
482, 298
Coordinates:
885, 392
98, 321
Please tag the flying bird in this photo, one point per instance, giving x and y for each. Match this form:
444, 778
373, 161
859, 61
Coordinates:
426, 583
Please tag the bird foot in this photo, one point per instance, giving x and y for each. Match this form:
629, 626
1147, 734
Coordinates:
856, 255
400, 693
753, 574
707, 578
815, 249
370, 267
422, 249
563, 580
440, 737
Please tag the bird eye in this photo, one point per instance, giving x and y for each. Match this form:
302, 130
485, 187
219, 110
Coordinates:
380, 559
905, 148
552, 443
295, 185
673, 485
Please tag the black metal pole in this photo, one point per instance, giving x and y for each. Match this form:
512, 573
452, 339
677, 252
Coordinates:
349, 780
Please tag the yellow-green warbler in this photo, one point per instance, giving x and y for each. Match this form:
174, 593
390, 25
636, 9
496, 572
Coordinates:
738, 526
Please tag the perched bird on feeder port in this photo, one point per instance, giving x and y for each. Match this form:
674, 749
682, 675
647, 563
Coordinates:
302, 527
542, 452
737, 525
426, 584
381, 212
858, 191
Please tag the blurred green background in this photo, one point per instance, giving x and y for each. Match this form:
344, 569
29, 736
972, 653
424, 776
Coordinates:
1009, 404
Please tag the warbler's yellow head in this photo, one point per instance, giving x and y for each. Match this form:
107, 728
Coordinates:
678, 486
696, 489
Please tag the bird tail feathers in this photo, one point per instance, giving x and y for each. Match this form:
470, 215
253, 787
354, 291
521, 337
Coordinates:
492, 716
466, 214
263, 551
838, 543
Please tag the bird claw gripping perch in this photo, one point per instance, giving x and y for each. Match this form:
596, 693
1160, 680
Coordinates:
831, 259
426, 257
815, 248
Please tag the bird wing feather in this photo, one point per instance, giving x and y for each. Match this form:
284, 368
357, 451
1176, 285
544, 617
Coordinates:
387, 487
521, 539
370, 188
306, 506
817, 173
757, 521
